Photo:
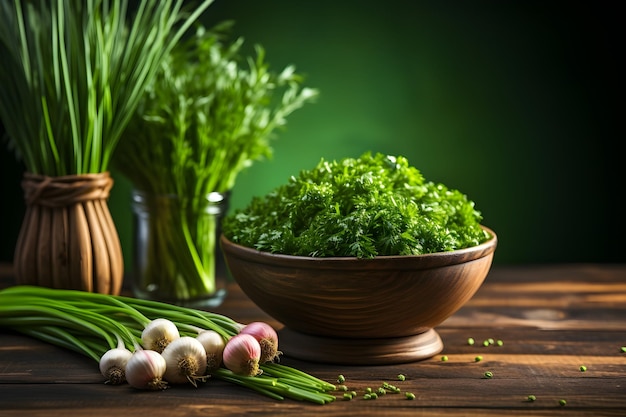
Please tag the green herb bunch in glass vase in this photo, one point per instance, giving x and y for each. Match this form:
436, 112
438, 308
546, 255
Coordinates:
72, 73
209, 115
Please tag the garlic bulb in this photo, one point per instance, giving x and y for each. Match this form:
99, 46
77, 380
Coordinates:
267, 338
113, 365
158, 334
242, 354
185, 360
145, 370
213, 344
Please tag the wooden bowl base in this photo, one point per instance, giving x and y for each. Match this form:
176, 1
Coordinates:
344, 351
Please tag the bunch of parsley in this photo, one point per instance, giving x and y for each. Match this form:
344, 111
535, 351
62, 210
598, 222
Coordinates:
374, 205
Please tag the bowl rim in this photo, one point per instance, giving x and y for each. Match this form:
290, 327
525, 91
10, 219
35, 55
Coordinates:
426, 260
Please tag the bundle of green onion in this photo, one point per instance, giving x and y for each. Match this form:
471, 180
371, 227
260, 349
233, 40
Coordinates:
152, 345
73, 72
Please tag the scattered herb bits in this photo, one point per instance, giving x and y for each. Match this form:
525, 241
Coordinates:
444, 358
488, 375
478, 358
582, 368
401, 377
531, 398
409, 396
487, 342
562, 402
623, 349
391, 388
341, 379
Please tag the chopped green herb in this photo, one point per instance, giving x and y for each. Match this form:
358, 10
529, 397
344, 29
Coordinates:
381, 391
623, 349
341, 379
367, 396
410, 396
342, 388
470, 341
488, 374
562, 402
391, 388
401, 377
491, 341
444, 358
486, 343
531, 398
365, 207
582, 368
368, 390
373, 396
499, 342
478, 358
347, 396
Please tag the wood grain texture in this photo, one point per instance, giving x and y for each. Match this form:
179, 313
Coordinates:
552, 319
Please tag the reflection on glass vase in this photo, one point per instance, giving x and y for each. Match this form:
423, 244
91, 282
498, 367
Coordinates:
177, 257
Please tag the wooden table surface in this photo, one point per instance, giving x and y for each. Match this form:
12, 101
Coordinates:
552, 320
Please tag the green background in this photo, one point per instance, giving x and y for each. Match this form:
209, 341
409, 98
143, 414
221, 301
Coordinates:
514, 103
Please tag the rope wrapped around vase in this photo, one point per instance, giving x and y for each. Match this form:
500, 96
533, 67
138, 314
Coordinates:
68, 239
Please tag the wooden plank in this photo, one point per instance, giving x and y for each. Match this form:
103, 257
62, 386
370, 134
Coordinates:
551, 373
552, 319
431, 393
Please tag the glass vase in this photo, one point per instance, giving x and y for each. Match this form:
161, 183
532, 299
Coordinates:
177, 257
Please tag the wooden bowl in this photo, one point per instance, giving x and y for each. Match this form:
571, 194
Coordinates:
348, 310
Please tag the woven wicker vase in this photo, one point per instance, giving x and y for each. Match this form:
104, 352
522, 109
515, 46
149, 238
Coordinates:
68, 239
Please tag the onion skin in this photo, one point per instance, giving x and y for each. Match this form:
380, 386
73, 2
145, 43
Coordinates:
242, 354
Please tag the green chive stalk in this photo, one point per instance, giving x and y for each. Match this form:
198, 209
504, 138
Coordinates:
73, 73
209, 114
92, 323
